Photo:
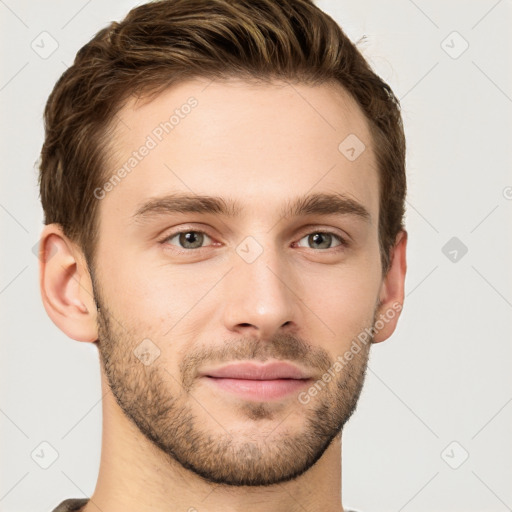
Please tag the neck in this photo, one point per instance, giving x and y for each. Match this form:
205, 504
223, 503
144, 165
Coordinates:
135, 475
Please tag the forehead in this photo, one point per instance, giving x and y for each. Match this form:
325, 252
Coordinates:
248, 141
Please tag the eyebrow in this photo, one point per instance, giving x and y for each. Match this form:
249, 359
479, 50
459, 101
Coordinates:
314, 204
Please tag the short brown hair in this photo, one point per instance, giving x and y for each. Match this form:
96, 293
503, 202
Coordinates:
165, 42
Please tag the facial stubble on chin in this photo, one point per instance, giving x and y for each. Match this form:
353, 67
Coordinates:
221, 456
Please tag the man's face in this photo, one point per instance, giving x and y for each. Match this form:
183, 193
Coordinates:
253, 287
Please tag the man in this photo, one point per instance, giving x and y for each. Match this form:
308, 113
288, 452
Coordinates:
223, 184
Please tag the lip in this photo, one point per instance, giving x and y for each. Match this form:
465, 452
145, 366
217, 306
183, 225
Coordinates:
252, 371
252, 381
259, 390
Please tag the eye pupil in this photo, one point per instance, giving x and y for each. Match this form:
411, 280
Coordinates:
317, 238
191, 237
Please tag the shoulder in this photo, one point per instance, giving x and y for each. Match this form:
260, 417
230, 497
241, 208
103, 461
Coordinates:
71, 505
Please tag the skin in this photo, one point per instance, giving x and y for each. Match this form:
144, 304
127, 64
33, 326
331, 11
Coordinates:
172, 441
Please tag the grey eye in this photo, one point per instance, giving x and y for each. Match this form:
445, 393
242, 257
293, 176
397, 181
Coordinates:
321, 240
189, 239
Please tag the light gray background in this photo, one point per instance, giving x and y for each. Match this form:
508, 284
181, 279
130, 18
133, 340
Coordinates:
438, 391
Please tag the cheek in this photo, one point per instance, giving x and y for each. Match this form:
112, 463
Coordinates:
133, 293
343, 299
150, 302
154, 299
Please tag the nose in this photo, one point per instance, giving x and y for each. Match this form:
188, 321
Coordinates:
261, 297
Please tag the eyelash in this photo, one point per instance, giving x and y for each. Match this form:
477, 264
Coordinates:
343, 243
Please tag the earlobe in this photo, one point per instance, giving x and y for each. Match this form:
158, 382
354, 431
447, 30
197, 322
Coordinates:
391, 295
65, 284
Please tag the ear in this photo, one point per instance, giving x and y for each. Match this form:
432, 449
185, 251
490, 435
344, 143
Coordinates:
391, 293
66, 287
